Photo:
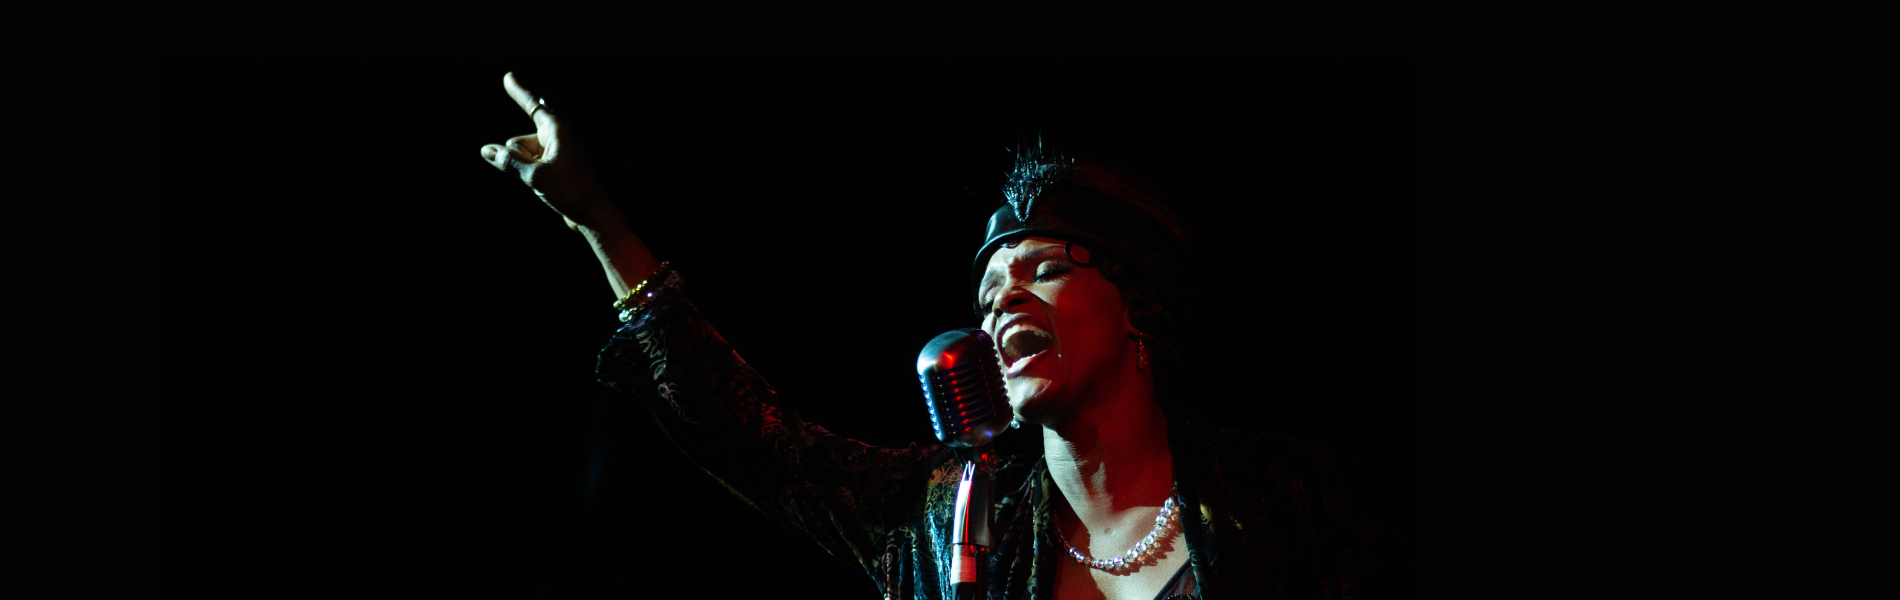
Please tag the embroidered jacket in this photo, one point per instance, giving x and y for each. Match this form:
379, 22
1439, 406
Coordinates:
1265, 516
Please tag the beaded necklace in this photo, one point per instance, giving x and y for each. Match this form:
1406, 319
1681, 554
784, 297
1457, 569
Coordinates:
1164, 528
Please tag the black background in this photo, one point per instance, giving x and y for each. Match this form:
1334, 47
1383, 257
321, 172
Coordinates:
378, 350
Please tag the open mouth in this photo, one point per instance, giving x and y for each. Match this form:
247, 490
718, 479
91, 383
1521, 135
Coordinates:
1024, 341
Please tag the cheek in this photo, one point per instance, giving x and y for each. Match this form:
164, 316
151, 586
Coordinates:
1089, 314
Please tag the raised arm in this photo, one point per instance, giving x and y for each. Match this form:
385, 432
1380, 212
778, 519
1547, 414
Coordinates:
551, 163
852, 498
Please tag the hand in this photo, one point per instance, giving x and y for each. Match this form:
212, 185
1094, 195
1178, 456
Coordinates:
551, 163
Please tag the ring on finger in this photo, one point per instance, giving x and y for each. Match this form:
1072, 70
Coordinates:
539, 103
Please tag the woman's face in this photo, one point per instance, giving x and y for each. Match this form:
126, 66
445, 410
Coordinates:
1061, 328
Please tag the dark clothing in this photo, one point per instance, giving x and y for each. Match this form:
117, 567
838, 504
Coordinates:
1264, 516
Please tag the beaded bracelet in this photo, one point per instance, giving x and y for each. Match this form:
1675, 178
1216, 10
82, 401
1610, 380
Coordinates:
635, 299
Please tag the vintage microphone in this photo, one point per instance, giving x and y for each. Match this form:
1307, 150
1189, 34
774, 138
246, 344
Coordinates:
963, 385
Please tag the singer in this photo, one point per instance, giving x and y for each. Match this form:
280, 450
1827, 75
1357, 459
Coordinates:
1083, 284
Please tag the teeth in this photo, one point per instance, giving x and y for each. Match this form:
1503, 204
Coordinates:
1022, 327
1024, 340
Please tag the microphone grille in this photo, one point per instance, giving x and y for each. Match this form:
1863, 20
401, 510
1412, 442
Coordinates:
962, 378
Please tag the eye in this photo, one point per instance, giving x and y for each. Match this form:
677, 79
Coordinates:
1051, 270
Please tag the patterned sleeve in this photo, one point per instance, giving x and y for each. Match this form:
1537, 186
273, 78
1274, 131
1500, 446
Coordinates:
847, 495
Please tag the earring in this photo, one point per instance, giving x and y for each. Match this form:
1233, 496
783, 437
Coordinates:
1015, 424
1141, 351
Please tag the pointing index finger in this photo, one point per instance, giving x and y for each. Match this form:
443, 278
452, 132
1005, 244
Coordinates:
523, 98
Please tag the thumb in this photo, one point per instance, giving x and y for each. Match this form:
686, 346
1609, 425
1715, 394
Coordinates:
504, 158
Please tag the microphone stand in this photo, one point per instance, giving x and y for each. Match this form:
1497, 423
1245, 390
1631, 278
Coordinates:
970, 527
962, 379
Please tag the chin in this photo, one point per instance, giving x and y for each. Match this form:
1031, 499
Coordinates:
1031, 398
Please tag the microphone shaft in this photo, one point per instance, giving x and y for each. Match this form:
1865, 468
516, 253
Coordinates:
970, 528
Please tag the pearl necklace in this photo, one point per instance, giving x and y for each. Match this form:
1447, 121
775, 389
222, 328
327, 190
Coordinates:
1164, 524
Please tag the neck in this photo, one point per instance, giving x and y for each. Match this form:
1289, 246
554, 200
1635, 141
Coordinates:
1112, 462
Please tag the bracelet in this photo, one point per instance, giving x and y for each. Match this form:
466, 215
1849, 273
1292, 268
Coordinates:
621, 304
634, 299
672, 281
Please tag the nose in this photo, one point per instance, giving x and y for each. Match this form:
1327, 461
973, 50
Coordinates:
1012, 296
1005, 304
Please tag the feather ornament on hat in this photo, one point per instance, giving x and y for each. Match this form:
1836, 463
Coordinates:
1035, 170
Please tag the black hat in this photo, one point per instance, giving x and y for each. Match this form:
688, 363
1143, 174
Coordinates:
1092, 205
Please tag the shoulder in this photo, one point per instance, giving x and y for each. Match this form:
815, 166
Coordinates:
1288, 510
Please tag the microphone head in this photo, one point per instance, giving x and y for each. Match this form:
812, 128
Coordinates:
963, 385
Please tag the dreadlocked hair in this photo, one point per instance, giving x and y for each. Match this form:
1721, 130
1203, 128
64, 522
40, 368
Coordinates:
1145, 312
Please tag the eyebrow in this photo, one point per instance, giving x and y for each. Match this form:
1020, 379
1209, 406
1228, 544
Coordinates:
988, 279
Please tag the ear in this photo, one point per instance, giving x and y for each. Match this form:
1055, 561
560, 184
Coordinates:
1130, 324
